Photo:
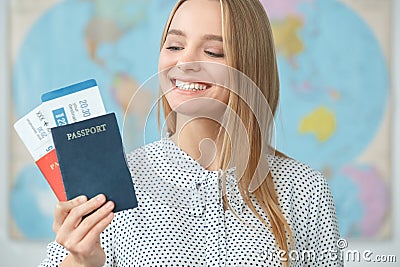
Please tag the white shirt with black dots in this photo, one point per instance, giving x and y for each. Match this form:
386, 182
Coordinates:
181, 221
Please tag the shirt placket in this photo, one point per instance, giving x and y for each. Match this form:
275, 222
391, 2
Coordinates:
214, 222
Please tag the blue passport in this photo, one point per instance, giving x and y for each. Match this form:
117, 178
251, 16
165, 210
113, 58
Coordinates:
92, 161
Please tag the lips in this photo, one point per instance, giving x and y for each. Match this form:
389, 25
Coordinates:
190, 86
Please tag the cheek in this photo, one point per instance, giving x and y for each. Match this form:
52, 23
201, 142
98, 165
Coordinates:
224, 98
164, 64
165, 60
221, 94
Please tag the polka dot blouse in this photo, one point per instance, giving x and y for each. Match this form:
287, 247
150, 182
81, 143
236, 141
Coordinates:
181, 221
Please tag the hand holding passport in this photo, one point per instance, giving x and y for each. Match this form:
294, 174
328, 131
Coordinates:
89, 150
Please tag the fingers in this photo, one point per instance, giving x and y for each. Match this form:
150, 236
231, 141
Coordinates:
74, 217
93, 224
62, 210
93, 236
81, 237
85, 234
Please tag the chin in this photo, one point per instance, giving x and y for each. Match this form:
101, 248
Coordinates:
197, 110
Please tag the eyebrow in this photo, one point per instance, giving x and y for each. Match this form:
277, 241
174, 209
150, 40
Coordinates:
176, 32
207, 37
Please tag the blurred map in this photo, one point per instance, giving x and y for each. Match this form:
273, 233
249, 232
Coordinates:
334, 114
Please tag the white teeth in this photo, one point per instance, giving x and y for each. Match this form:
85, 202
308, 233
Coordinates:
190, 86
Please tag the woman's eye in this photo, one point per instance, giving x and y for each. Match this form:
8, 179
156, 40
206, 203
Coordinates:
174, 48
212, 54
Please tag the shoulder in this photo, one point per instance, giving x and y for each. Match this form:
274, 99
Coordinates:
299, 187
292, 172
303, 193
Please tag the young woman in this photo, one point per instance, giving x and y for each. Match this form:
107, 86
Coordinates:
214, 192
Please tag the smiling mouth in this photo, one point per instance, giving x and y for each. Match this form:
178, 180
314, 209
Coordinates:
190, 86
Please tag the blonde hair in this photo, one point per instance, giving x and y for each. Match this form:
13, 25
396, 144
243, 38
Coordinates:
249, 48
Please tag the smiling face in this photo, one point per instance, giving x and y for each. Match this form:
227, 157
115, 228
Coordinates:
192, 63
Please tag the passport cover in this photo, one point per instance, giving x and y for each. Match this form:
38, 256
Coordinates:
92, 161
48, 165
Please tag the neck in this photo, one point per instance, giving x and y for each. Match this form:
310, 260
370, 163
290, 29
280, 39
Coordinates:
199, 139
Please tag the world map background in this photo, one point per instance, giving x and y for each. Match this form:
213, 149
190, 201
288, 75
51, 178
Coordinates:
334, 105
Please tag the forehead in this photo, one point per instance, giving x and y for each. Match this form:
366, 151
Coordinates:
198, 16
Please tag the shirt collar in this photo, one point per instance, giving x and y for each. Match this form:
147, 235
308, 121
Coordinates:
204, 181
172, 177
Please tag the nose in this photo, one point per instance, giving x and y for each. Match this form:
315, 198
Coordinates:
188, 61
189, 66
